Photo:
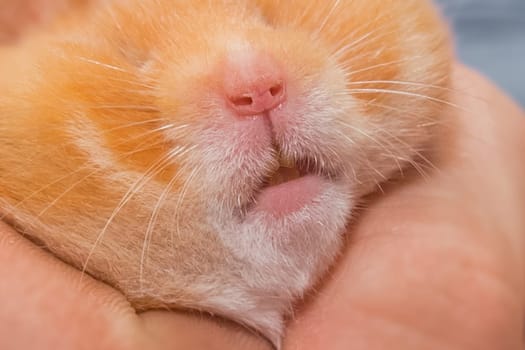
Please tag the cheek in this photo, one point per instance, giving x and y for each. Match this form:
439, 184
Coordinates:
310, 124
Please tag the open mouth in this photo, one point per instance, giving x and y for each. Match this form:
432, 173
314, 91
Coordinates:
287, 171
292, 186
290, 170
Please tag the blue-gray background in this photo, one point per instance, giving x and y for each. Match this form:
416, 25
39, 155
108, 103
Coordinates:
490, 35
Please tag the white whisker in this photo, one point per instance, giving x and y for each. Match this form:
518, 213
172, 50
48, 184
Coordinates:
151, 225
403, 93
376, 141
149, 174
349, 73
102, 64
182, 195
335, 4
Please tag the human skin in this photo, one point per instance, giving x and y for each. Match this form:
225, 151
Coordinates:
17, 16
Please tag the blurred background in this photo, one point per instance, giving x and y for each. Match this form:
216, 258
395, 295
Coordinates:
490, 36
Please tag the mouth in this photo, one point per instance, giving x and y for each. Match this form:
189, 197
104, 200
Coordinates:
286, 172
291, 187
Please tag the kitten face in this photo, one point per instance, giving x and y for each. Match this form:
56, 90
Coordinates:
208, 154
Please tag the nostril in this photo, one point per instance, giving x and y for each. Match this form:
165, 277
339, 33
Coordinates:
277, 89
241, 101
258, 98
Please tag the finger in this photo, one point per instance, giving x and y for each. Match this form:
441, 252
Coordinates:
19, 16
199, 332
46, 306
434, 264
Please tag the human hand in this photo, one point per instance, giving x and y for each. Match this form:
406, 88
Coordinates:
436, 262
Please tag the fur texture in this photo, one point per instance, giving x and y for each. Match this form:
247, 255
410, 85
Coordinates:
119, 154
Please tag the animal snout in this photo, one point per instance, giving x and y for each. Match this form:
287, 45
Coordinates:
254, 84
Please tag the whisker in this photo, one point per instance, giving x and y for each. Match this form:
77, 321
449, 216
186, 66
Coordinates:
376, 141
335, 4
425, 121
356, 44
153, 220
87, 165
306, 13
151, 225
102, 64
403, 93
402, 83
181, 199
127, 107
81, 180
349, 73
148, 175
132, 124
412, 149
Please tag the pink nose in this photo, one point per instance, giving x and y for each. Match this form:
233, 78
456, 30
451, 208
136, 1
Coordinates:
254, 85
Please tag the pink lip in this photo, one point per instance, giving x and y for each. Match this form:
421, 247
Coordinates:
289, 197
